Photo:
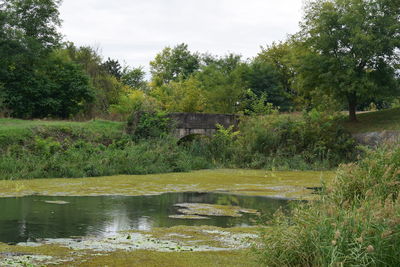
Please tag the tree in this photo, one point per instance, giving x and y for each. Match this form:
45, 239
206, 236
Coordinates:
35, 22
112, 67
222, 81
65, 90
280, 55
107, 88
264, 80
135, 78
27, 37
59, 88
226, 63
349, 49
181, 96
173, 64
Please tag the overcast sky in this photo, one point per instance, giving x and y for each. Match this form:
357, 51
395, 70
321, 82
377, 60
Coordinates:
134, 31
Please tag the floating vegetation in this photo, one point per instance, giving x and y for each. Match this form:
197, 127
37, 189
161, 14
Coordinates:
15, 260
188, 217
212, 210
292, 184
58, 202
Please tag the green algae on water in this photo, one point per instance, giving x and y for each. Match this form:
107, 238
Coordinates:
188, 239
212, 210
292, 184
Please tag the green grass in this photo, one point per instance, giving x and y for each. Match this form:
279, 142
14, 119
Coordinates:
17, 125
16, 131
377, 121
24, 124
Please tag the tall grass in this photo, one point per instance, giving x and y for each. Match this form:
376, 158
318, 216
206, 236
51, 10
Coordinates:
357, 222
50, 159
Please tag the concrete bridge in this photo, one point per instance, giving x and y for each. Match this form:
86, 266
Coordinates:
186, 124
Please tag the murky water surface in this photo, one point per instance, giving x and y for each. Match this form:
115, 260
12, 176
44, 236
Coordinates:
35, 217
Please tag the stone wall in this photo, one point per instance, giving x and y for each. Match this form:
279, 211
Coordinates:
374, 139
200, 123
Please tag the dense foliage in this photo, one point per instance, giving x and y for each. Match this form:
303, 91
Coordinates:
35, 82
356, 223
346, 51
146, 125
310, 139
349, 50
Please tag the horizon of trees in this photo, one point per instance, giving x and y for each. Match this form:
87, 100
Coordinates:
345, 57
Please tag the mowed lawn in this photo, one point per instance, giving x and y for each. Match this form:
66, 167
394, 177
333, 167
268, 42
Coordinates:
377, 121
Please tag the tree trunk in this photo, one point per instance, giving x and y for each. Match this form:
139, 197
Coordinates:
352, 99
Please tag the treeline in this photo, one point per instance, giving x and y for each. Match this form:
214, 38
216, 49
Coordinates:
345, 57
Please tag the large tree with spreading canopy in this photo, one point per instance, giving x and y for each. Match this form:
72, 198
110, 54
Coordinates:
351, 49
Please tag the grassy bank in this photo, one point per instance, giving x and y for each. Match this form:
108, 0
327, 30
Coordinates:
376, 121
48, 149
23, 132
52, 149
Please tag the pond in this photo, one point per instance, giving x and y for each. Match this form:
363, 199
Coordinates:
32, 218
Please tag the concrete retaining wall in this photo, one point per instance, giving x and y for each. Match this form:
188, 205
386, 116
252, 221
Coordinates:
200, 123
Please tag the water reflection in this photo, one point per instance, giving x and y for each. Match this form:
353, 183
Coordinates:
29, 218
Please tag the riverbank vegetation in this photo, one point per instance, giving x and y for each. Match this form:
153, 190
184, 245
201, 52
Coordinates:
355, 223
41, 149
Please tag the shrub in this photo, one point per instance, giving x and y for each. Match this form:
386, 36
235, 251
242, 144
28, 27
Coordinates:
145, 125
312, 139
46, 147
222, 145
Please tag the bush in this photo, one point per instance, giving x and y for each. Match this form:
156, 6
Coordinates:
145, 125
357, 222
222, 146
309, 140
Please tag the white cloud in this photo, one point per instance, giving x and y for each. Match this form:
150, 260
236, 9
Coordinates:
136, 30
